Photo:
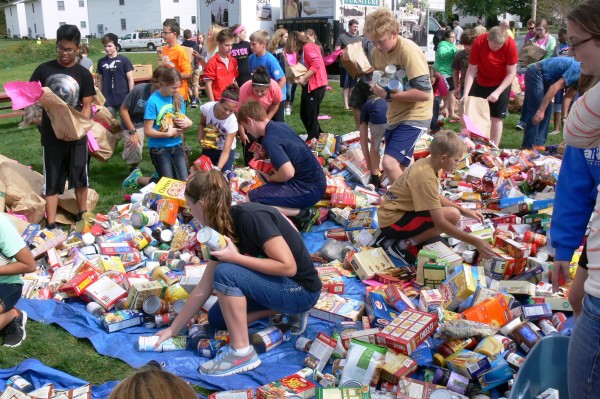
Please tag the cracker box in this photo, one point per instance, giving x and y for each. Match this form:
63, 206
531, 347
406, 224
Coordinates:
462, 284
115, 248
121, 319
77, 285
378, 311
326, 145
332, 307
320, 352
407, 331
367, 335
363, 218
105, 292
332, 283
494, 311
367, 263
343, 199
444, 254
398, 299
536, 311
468, 363
169, 189
430, 301
293, 385
500, 267
138, 292
343, 393
514, 248
410, 388
396, 366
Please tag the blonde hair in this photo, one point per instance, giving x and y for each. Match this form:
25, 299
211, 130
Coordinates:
251, 109
447, 142
261, 36
211, 43
212, 188
381, 22
153, 383
276, 40
497, 35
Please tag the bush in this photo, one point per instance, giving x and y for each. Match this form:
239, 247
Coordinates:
27, 51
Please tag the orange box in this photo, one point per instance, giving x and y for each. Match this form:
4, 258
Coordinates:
493, 311
167, 211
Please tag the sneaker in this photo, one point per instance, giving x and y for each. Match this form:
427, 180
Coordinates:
227, 363
305, 219
404, 255
304, 137
520, 125
288, 111
377, 240
298, 322
554, 133
194, 104
131, 180
14, 332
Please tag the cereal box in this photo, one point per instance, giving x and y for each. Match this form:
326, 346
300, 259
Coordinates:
494, 311
333, 307
292, 385
121, 319
407, 331
138, 292
468, 363
462, 284
169, 189
430, 301
320, 352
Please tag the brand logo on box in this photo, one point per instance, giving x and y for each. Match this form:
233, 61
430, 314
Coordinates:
294, 382
426, 332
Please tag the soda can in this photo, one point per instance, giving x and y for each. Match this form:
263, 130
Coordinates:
95, 309
558, 320
154, 305
211, 238
20, 383
164, 320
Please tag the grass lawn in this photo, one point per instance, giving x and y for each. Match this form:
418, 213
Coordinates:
52, 345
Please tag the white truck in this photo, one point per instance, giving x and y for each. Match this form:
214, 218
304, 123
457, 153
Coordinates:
143, 39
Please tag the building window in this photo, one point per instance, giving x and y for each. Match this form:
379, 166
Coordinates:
193, 19
62, 23
83, 25
81, 3
121, 2
61, 5
123, 24
176, 19
32, 8
35, 28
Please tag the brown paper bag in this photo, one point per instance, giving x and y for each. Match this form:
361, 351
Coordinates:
106, 141
355, 60
2, 195
99, 98
32, 206
530, 54
68, 201
105, 118
19, 181
293, 72
68, 123
478, 111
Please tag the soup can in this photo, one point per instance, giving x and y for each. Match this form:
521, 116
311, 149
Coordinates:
211, 238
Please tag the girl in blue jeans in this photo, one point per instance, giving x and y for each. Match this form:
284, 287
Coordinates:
264, 270
164, 125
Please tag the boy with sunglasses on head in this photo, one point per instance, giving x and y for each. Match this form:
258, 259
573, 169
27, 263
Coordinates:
173, 55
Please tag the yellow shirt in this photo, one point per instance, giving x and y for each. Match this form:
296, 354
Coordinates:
177, 57
417, 189
408, 56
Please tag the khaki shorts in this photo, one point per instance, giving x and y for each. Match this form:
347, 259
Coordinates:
376, 132
133, 155
194, 80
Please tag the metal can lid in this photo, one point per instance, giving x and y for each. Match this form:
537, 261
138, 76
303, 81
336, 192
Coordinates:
88, 239
178, 306
151, 304
166, 235
383, 82
441, 393
351, 384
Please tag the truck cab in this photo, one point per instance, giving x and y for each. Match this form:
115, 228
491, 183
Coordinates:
142, 39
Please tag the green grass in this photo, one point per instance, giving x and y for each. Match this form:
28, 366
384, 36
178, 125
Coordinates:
51, 344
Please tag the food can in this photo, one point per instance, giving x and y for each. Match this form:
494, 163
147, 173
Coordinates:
383, 82
154, 305
164, 320
395, 85
200, 330
145, 218
441, 393
303, 344
120, 304
83, 226
558, 320
547, 327
20, 383
267, 339
207, 347
377, 75
351, 384
148, 251
535, 238
88, 239
95, 309
146, 344
390, 70
97, 230
176, 264
211, 238
166, 236
178, 306
400, 74
508, 343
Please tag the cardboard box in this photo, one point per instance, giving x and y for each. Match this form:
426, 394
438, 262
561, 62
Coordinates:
121, 319
409, 388
500, 267
142, 71
332, 307
430, 301
499, 373
77, 285
515, 287
343, 393
363, 218
407, 331
138, 292
462, 284
378, 311
494, 311
169, 189
398, 299
468, 363
105, 292
320, 352
444, 254
367, 263
396, 366
367, 335
293, 385
111, 263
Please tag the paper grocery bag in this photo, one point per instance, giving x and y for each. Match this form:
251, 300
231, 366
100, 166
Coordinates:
105, 140
530, 54
478, 120
68, 123
103, 116
32, 206
293, 68
98, 98
355, 60
19, 180
68, 201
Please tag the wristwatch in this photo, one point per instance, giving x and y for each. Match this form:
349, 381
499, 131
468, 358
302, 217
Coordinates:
388, 97
132, 132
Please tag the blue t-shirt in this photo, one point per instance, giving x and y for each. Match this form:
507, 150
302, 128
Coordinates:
114, 78
283, 145
156, 108
271, 64
561, 67
374, 111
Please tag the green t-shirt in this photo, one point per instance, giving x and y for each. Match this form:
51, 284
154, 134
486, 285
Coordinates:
10, 244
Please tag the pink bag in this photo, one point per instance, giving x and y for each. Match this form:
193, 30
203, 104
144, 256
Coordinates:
331, 58
92, 143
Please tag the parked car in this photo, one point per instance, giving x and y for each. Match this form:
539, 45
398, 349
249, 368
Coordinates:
139, 40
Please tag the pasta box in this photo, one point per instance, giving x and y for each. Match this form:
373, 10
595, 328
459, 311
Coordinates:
407, 331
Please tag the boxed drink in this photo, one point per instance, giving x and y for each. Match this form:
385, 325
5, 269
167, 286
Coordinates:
408, 331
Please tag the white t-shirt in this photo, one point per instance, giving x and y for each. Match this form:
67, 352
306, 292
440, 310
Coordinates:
223, 126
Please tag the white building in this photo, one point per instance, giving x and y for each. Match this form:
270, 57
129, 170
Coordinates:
41, 18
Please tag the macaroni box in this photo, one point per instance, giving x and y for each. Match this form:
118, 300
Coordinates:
378, 311
78, 284
462, 284
407, 331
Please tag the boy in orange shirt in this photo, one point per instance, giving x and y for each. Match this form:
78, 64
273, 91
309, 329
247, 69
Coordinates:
221, 70
174, 55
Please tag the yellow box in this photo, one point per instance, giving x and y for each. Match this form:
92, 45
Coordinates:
461, 285
138, 292
111, 263
169, 189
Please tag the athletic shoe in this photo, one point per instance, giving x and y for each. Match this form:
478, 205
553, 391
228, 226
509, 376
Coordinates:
288, 111
520, 126
554, 133
131, 180
227, 363
298, 322
14, 332
405, 255
378, 239
304, 137
194, 104
305, 219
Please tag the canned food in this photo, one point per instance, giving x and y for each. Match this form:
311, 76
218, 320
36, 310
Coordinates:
400, 74
147, 218
83, 226
211, 238
178, 306
88, 239
558, 320
535, 238
441, 393
20, 383
154, 305
395, 85
95, 309
303, 344
176, 264
377, 75
351, 384
390, 70
146, 344
164, 320
120, 304
166, 236
383, 82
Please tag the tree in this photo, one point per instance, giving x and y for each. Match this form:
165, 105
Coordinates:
479, 8
522, 8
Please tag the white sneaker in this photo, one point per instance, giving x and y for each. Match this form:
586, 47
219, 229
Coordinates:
288, 111
554, 133
304, 137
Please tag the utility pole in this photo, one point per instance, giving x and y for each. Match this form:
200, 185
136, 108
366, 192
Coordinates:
533, 9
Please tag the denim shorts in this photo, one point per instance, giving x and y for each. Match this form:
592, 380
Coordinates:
287, 194
262, 291
584, 352
9, 296
169, 162
400, 142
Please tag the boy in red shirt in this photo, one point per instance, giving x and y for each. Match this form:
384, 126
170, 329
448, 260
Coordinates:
493, 60
221, 70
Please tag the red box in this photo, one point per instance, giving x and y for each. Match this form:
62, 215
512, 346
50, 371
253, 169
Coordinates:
257, 149
398, 299
515, 249
343, 199
287, 386
75, 287
204, 163
408, 331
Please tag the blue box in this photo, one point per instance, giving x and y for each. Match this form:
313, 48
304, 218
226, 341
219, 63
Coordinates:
497, 375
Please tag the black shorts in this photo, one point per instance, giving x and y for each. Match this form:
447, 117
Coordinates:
409, 225
359, 94
450, 82
9, 295
62, 161
500, 107
346, 80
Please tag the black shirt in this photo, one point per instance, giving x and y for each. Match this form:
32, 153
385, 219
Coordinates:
241, 51
71, 84
256, 223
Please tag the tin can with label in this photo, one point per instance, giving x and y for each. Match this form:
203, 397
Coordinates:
508, 343
146, 344
558, 320
166, 236
269, 338
164, 320
395, 85
383, 82
441, 393
351, 384
83, 226
211, 238
120, 304
20, 383
400, 74
154, 305
535, 238
95, 309
207, 347
178, 306
88, 239
303, 344
176, 264
390, 70
144, 218
547, 327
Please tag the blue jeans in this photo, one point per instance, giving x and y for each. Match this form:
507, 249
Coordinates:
584, 352
169, 162
9, 296
535, 89
262, 291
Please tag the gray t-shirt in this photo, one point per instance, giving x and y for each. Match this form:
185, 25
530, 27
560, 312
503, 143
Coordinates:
136, 104
345, 39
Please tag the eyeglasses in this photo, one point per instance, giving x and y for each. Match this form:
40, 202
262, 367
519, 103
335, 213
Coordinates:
531, 28
166, 33
573, 46
65, 50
